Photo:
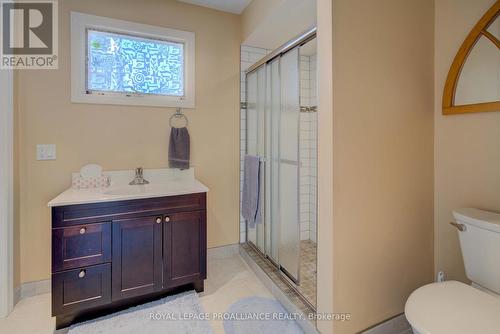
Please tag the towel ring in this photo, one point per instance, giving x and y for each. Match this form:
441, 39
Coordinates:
178, 115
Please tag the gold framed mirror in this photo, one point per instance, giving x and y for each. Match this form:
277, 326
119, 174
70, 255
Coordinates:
473, 82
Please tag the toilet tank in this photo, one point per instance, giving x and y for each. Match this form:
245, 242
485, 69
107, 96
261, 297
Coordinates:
480, 244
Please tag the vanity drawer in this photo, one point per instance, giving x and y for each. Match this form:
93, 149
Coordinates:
81, 245
79, 289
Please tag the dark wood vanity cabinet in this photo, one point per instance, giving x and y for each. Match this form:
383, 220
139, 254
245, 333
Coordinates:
184, 248
80, 289
137, 254
79, 246
108, 256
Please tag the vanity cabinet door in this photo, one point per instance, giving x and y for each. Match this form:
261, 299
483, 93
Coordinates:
137, 257
184, 248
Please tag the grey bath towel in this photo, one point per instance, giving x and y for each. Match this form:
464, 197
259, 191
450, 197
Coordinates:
178, 148
250, 204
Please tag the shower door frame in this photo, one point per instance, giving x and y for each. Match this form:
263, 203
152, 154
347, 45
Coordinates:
264, 177
7, 295
263, 63
263, 163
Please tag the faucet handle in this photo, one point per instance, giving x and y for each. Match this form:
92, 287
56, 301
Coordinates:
138, 179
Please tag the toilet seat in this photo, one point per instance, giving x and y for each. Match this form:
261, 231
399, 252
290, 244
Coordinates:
453, 308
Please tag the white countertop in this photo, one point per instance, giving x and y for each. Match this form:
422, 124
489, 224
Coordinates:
162, 184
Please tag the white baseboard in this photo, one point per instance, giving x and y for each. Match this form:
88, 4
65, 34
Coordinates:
223, 251
17, 295
396, 325
36, 288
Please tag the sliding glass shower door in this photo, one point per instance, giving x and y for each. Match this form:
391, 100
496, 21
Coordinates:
273, 158
273, 107
289, 241
256, 141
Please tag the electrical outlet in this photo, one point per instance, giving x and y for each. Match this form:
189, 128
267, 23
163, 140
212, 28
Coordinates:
46, 152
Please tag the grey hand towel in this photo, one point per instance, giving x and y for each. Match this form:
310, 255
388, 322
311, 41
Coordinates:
251, 197
178, 148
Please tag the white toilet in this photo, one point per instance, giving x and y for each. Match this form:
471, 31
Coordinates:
455, 308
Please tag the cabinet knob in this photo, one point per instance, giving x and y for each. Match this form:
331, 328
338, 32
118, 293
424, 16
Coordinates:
83, 230
81, 274
167, 219
158, 220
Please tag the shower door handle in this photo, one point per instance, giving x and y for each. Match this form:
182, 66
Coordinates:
290, 162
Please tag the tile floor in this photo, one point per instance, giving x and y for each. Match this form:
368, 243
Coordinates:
229, 279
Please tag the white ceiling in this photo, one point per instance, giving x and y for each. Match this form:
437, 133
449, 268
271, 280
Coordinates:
231, 6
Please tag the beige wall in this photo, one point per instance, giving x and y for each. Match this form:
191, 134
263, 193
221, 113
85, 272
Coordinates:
382, 156
120, 137
256, 13
467, 155
270, 23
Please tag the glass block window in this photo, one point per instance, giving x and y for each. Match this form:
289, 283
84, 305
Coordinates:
120, 63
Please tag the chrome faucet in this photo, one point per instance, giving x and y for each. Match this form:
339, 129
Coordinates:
138, 179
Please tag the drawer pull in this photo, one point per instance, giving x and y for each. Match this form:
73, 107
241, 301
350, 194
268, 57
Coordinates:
167, 219
83, 230
82, 273
158, 220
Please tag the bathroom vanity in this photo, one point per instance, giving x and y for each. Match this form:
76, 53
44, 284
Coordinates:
126, 245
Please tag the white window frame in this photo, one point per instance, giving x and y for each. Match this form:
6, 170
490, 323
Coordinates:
79, 25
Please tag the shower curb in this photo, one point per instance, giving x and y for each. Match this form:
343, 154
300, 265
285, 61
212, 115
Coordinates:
307, 326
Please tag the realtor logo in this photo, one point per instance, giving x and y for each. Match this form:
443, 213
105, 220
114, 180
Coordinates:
28, 34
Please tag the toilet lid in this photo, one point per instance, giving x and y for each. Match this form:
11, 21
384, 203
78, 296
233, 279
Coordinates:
453, 308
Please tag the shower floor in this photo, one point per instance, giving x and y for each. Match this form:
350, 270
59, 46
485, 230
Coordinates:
300, 293
280, 280
308, 276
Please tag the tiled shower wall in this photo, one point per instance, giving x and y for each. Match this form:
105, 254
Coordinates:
308, 139
308, 148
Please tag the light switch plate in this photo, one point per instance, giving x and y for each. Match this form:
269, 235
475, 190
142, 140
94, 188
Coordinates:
46, 152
